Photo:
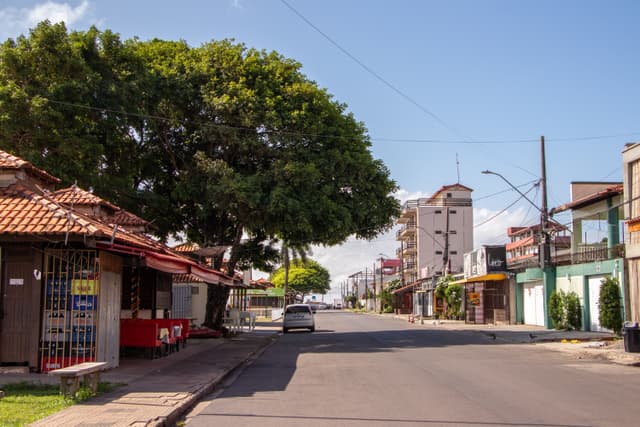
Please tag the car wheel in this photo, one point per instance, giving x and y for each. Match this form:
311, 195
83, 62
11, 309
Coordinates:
284, 330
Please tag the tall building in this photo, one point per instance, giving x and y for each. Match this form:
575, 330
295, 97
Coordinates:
436, 232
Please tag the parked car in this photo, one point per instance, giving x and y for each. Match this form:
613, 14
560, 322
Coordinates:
318, 306
298, 316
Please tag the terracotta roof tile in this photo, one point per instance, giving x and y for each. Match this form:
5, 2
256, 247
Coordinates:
9, 161
75, 195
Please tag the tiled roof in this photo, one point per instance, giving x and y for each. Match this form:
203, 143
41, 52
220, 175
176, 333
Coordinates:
9, 161
24, 212
75, 195
186, 247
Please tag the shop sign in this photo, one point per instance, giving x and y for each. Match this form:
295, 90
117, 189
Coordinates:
84, 287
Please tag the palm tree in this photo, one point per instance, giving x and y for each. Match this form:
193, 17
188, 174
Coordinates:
290, 251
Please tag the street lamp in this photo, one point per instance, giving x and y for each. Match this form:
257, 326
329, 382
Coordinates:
544, 256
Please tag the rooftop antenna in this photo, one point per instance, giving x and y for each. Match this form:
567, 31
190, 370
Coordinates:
458, 168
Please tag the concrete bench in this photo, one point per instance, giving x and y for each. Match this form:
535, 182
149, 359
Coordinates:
70, 376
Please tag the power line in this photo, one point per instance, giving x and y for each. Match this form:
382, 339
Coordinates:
506, 190
502, 211
316, 135
371, 71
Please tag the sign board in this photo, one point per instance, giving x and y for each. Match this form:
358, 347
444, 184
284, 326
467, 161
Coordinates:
84, 287
486, 260
16, 282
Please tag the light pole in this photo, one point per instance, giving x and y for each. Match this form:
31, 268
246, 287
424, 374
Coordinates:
548, 272
381, 259
544, 258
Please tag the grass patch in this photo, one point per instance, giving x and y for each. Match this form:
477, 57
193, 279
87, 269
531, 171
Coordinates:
24, 403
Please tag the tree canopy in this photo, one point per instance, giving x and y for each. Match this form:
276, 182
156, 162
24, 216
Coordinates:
218, 141
305, 277
230, 146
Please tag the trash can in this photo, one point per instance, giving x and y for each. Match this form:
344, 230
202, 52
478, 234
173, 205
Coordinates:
631, 334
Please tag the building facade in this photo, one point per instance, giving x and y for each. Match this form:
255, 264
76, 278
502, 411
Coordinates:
631, 178
436, 233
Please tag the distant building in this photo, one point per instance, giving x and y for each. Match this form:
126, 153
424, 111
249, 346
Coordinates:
436, 233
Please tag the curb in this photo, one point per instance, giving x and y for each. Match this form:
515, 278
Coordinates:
181, 409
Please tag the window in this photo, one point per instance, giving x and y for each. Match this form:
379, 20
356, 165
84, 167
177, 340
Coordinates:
438, 231
453, 232
453, 252
449, 195
438, 211
438, 252
453, 211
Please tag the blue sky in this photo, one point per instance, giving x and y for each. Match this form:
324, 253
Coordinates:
488, 78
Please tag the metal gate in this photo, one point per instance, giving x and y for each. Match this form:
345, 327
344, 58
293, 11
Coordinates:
70, 317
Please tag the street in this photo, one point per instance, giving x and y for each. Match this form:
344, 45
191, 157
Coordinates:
363, 370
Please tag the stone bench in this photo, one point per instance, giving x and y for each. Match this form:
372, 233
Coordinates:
70, 376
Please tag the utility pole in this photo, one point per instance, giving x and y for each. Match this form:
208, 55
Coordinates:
445, 257
548, 272
375, 287
366, 296
545, 247
381, 282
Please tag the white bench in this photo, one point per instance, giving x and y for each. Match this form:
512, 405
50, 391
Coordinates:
70, 376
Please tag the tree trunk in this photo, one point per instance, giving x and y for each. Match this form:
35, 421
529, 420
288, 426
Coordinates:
218, 295
216, 303
285, 287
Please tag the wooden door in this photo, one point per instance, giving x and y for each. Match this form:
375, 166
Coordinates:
20, 320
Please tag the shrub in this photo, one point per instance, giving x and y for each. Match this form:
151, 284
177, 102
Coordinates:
610, 305
564, 310
573, 312
556, 309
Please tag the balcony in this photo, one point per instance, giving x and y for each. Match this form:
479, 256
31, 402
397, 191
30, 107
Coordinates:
408, 230
410, 266
410, 248
586, 253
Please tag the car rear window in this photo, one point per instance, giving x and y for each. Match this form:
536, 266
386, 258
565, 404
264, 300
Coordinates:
298, 309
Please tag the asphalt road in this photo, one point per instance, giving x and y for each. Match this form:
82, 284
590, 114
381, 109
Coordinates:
362, 370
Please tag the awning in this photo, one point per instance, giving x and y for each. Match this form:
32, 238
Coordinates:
209, 275
166, 263
169, 263
485, 278
404, 288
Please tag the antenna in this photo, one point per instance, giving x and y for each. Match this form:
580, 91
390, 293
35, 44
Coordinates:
458, 168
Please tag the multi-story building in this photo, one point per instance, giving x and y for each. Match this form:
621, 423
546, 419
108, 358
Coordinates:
436, 232
631, 176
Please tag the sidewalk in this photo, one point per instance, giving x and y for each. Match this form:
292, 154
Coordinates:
579, 344
158, 392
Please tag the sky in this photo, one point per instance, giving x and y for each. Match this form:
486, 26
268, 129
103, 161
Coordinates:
446, 88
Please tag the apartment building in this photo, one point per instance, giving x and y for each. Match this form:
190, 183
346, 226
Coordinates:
436, 232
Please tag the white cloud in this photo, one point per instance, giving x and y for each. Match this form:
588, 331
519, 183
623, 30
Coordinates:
356, 255
15, 21
57, 12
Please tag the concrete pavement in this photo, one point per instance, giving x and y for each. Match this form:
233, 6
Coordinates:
579, 344
158, 392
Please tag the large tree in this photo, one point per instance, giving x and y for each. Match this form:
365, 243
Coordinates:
305, 277
232, 146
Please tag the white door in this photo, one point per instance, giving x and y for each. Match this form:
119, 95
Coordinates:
594, 306
533, 304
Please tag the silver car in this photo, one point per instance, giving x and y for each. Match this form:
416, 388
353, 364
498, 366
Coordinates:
298, 316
